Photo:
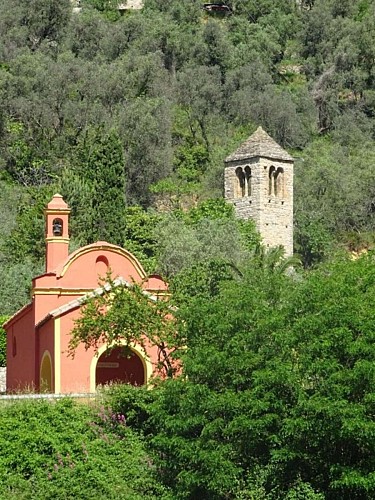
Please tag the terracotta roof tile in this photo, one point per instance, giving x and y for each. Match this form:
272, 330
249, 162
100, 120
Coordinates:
73, 304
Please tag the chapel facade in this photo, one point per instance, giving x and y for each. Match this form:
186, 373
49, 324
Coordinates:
258, 182
38, 335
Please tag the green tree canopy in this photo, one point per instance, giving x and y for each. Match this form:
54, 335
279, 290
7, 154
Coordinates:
277, 398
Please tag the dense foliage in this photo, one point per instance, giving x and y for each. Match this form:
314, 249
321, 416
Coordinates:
65, 450
3, 342
129, 116
276, 398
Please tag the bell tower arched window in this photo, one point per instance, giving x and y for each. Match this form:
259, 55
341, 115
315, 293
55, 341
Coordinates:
271, 181
248, 181
279, 182
57, 227
240, 188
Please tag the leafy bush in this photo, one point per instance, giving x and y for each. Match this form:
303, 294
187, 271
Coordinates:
135, 403
3, 342
65, 450
278, 395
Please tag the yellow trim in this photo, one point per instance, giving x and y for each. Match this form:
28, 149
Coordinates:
57, 211
57, 352
111, 249
57, 240
60, 291
46, 354
147, 365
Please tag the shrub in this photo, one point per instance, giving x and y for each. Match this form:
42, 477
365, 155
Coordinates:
3, 342
66, 450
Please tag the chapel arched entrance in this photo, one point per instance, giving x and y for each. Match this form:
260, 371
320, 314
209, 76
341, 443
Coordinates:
120, 365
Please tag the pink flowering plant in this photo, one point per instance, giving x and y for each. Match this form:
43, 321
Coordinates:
109, 423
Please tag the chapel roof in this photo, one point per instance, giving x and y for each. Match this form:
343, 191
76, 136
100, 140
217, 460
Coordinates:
17, 314
73, 304
259, 144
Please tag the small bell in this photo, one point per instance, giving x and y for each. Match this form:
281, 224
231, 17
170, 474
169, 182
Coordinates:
57, 227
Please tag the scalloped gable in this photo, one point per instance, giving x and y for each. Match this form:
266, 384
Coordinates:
83, 269
259, 144
62, 268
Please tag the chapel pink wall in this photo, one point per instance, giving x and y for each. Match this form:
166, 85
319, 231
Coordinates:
80, 275
75, 373
85, 270
22, 367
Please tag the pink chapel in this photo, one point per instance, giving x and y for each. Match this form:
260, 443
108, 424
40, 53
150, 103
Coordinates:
38, 334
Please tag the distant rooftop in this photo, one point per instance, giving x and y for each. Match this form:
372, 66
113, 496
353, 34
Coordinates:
220, 7
131, 5
259, 144
125, 5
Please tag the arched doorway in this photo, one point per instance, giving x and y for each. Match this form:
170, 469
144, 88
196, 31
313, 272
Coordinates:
120, 364
46, 373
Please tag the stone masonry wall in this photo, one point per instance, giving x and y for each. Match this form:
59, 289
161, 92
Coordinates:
272, 213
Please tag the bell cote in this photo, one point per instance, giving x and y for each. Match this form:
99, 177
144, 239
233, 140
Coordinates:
57, 232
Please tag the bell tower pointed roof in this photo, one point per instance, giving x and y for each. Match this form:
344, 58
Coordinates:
57, 203
259, 144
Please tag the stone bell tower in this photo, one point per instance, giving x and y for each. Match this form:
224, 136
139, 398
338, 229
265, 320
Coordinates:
259, 183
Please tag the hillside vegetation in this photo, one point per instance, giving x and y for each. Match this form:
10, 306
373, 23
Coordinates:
274, 401
130, 118
128, 114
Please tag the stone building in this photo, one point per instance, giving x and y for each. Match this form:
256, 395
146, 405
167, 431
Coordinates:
259, 183
131, 5
122, 6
